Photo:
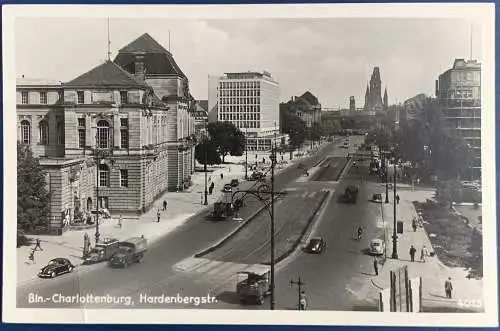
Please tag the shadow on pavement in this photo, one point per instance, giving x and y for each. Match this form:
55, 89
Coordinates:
229, 297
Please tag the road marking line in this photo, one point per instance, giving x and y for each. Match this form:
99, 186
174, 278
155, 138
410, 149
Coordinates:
312, 194
304, 194
208, 266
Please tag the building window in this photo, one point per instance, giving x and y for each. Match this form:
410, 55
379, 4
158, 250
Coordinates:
124, 122
124, 97
81, 122
60, 133
43, 128
24, 98
81, 97
43, 98
81, 138
25, 132
103, 175
103, 134
123, 178
124, 138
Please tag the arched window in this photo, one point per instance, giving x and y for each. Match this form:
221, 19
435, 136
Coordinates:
43, 128
103, 175
103, 134
25, 132
60, 133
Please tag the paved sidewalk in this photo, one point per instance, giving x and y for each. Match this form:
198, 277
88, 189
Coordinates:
467, 293
180, 207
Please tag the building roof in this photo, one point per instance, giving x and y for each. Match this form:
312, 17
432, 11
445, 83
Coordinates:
310, 98
106, 74
203, 104
157, 60
22, 81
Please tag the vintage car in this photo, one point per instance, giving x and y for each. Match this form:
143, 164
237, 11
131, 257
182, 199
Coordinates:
315, 245
227, 188
253, 283
103, 251
56, 267
234, 183
377, 247
131, 251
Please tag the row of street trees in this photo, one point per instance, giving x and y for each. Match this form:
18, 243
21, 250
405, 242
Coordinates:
428, 143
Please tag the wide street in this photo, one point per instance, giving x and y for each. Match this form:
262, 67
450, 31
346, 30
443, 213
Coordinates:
157, 274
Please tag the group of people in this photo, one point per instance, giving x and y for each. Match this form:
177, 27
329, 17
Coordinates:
423, 253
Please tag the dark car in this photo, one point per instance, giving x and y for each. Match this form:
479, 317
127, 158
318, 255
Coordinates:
234, 183
227, 188
257, 176
56, 267
316, 245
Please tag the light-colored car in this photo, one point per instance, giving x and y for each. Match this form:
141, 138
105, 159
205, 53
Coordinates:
377, 247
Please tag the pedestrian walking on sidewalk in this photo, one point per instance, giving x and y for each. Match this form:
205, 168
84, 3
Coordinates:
412, 253
38, 242
120, 221
158, 216
221, 176
164, 205
375, 265
397, 199
414, 224
423, 253
32, 256
448, 287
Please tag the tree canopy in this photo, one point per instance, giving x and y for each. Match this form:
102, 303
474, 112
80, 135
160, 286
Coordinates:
213, 157
33, 198
225, 139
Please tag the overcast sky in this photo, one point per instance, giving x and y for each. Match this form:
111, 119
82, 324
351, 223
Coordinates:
333, 58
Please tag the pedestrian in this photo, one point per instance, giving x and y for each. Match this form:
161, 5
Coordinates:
38, 242
120, 221
302, 301
221, 176
397, 199
418, 180
375, 265
412, 253
448, 287
263, 160
158, 215
164, 205
414, 224
209, 178
32, 256
423, 253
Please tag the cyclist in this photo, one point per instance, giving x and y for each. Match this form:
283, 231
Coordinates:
360, 232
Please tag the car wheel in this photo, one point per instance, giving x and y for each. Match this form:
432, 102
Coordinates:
53, 274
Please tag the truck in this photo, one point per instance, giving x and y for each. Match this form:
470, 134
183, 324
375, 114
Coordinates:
350, 194
103, 251
130, 251
253, 283
222, 210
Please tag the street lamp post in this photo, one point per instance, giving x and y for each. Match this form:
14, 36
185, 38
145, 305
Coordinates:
273, 164
97, 234
386, 180
205, 164
394, 233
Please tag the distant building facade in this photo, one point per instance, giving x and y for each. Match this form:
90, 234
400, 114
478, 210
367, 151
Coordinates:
373, 94
249, 100
115, 137
306, 107
458, 91
200, 114
352, 103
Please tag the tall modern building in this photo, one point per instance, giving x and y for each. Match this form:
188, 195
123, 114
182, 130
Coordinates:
249, 100
459, 93
115, 137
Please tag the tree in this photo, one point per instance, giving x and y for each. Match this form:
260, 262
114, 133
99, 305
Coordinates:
448, 192
297, 131
227, 139
33, 198
316, 132
213, 157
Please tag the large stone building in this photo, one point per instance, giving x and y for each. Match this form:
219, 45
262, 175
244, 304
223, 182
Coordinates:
116, 137
373, 95
458, 90
306, 107
249, 100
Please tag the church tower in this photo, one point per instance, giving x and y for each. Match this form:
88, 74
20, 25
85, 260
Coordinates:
367, 98
386, 104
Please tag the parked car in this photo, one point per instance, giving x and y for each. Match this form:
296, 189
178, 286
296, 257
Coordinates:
227, 188
377, 197
377, 247
102, 251
56, 267
234, 183
316, 245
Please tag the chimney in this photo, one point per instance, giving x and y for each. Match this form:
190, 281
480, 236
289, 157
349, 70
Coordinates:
139, 69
